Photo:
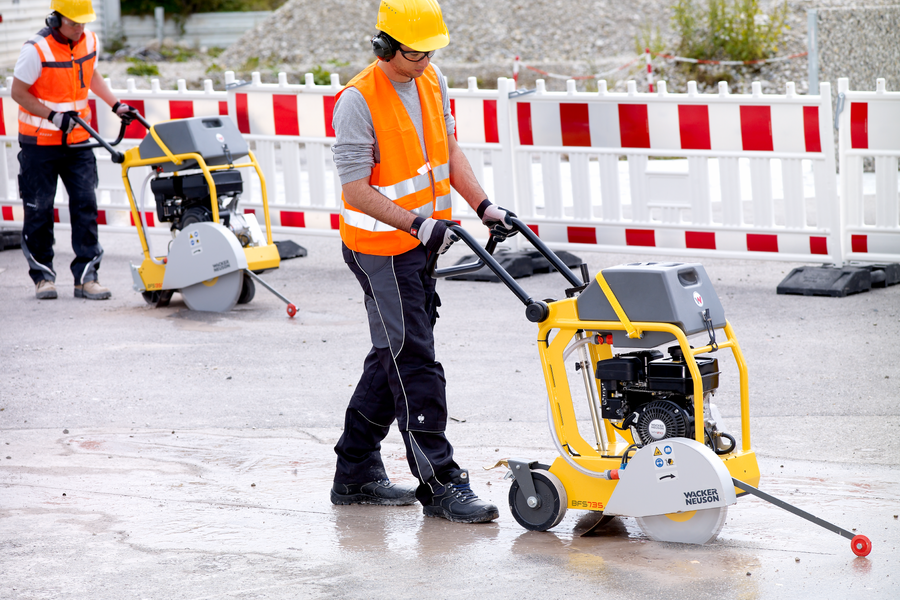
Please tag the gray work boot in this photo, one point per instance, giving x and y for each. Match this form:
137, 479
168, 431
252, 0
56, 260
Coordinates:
92, 290
381, 492
458, 503
45, 290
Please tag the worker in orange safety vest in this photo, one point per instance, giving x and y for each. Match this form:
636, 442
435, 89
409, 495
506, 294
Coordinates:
397, 159
51, 80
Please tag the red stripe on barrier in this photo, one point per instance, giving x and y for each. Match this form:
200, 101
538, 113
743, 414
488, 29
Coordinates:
101, 217
135, 131
575, 123
756, 128
243, 113
335, 221
291, 218
92, 104
859, 243
181, 109
453, 114
581, 235
762, 242
523, 113
535, 229
2, 119
252, 211
285, 108
640, 237
703, 240
634, 127
328, 103
148, 218
811, 129
818, 245
859, 125
7, 212
56, 215
491, 135
223, 108
693, 124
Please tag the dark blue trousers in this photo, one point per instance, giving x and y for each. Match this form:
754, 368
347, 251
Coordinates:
401, 379
40, 167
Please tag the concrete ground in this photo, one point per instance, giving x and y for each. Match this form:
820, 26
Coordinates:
164, 453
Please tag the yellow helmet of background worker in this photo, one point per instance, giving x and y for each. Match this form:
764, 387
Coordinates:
418, 24
80, 11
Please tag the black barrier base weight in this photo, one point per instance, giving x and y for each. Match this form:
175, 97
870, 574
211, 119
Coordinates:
517, 264
10, 238
837, 283
289, 249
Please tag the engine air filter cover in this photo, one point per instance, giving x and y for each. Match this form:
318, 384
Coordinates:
667, 375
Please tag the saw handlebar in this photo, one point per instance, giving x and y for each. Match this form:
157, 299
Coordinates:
117, 157
535, 310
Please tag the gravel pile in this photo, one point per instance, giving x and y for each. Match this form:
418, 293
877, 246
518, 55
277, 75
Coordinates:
571, 37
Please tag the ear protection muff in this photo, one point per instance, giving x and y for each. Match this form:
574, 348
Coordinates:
382, 47
53, 21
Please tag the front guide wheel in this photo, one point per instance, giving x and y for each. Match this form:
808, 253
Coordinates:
549, 505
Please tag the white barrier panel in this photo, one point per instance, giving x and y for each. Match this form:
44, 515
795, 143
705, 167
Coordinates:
568, 146
869, 126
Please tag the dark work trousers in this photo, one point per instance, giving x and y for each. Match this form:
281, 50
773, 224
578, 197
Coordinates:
401, 379
40, 167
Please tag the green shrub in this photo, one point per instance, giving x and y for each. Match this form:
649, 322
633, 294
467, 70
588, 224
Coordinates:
728, 29
142, 69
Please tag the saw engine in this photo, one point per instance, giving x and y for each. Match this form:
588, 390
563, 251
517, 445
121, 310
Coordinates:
653, 396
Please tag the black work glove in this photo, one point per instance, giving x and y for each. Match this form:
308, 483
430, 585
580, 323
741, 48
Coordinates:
434, 234
497, 219
63, 120
123, 111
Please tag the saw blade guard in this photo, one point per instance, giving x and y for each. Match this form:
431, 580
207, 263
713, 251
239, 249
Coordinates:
202, 252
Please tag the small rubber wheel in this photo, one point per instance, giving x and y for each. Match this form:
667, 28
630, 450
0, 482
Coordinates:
861, 545
552, 505
291, 310
248, 290
151, 297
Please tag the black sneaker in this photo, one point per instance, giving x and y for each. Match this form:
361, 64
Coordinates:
381, 492
459, 504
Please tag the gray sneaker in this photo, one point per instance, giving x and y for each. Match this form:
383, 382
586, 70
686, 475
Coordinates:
45, 290
92, 290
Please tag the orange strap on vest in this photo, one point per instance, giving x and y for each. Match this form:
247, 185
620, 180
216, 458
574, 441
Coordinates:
403, 175
64, 84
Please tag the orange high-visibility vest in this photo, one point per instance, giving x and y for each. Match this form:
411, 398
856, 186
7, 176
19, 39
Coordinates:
64, 84
404, 176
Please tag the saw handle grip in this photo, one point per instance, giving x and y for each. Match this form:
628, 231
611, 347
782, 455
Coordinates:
117, 157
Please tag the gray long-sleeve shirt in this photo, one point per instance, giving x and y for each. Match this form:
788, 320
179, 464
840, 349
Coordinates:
356, 147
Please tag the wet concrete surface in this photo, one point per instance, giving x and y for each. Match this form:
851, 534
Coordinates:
164, 453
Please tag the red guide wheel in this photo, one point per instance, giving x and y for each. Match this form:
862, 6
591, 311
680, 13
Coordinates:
861, 545
292, 310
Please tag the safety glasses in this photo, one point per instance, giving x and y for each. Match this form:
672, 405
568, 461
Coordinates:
415, 55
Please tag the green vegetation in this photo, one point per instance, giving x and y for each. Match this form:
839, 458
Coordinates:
648, 37
185, 8
322, 76
728, 29
142, 69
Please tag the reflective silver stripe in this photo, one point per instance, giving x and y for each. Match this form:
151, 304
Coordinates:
424, 211
444, 202
43, 46
407, 187
364, 221
90, 39
442, 172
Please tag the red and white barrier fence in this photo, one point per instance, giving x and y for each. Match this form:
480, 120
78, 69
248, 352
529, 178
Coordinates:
869, 125
753, 175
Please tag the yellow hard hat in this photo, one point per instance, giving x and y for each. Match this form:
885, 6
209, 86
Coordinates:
80, 11
418, 24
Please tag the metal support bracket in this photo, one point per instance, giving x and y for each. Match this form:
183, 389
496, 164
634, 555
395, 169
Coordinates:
521, 470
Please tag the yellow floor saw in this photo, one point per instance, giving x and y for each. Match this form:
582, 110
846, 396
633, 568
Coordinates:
217, 249
658, 451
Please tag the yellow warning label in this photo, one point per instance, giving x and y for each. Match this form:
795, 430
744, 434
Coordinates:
657, 452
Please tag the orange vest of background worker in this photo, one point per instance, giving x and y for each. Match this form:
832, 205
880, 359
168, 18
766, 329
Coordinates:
52, 78
404, 175
67, 70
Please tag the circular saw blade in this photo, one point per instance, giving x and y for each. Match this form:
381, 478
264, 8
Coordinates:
695, 527
219, 294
